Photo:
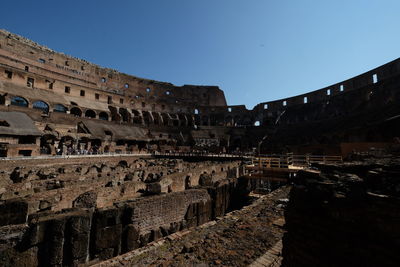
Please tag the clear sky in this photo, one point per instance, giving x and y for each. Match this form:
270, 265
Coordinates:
255, 50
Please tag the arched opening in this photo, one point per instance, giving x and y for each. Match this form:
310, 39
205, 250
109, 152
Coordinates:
188, 182
120, 142
95, 145
204, 121
189, 120
115, 116
236, 144
83, 145
125, 115
229, 121
76, 112
182, 119
19, 101
157, 118
90, 114
165, 119
66, 145
103, 116
236, 120
44, 107
47, 144
60, 108
175, 119
246, 120
147, 117
137, 118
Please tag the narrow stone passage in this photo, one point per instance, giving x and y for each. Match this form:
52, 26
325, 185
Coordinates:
272, 258
237, 239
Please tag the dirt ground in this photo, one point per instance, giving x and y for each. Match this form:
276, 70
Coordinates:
236, 239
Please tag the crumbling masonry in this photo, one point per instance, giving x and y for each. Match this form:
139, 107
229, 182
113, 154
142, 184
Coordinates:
81, 174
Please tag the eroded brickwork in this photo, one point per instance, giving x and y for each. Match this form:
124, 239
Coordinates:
126, 184
69, 211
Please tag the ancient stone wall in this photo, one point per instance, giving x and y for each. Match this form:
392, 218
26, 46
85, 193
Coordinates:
132, 224
56, 184
61, 92
55, 71
335, 100
345, 216
81, 234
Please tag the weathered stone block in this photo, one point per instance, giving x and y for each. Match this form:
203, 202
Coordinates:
14, 258
106, 254
155, 234
174, 227
165, 230
13, 212
52, 251
131, 238
79, 231
205, 180
109, 236
44, 205
153, 188
86, 200
145, 238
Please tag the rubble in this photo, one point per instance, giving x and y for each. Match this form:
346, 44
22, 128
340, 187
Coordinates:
345, 216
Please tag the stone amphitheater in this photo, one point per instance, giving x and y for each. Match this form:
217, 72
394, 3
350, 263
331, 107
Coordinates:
102, 168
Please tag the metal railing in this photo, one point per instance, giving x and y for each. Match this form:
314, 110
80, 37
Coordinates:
198, 154
129, 154
273, 161
290, 160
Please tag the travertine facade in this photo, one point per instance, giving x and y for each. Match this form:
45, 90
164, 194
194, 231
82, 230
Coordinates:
79, 107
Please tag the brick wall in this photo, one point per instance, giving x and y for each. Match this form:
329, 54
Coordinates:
78, 235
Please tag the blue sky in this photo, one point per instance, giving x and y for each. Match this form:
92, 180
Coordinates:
255, 50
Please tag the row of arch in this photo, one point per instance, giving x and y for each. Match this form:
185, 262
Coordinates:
140, 117
232, 121
73, 145
151, 117
115, 114
45, 108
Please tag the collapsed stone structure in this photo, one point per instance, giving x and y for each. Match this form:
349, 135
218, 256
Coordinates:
57, 212
115, 196
346, 215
